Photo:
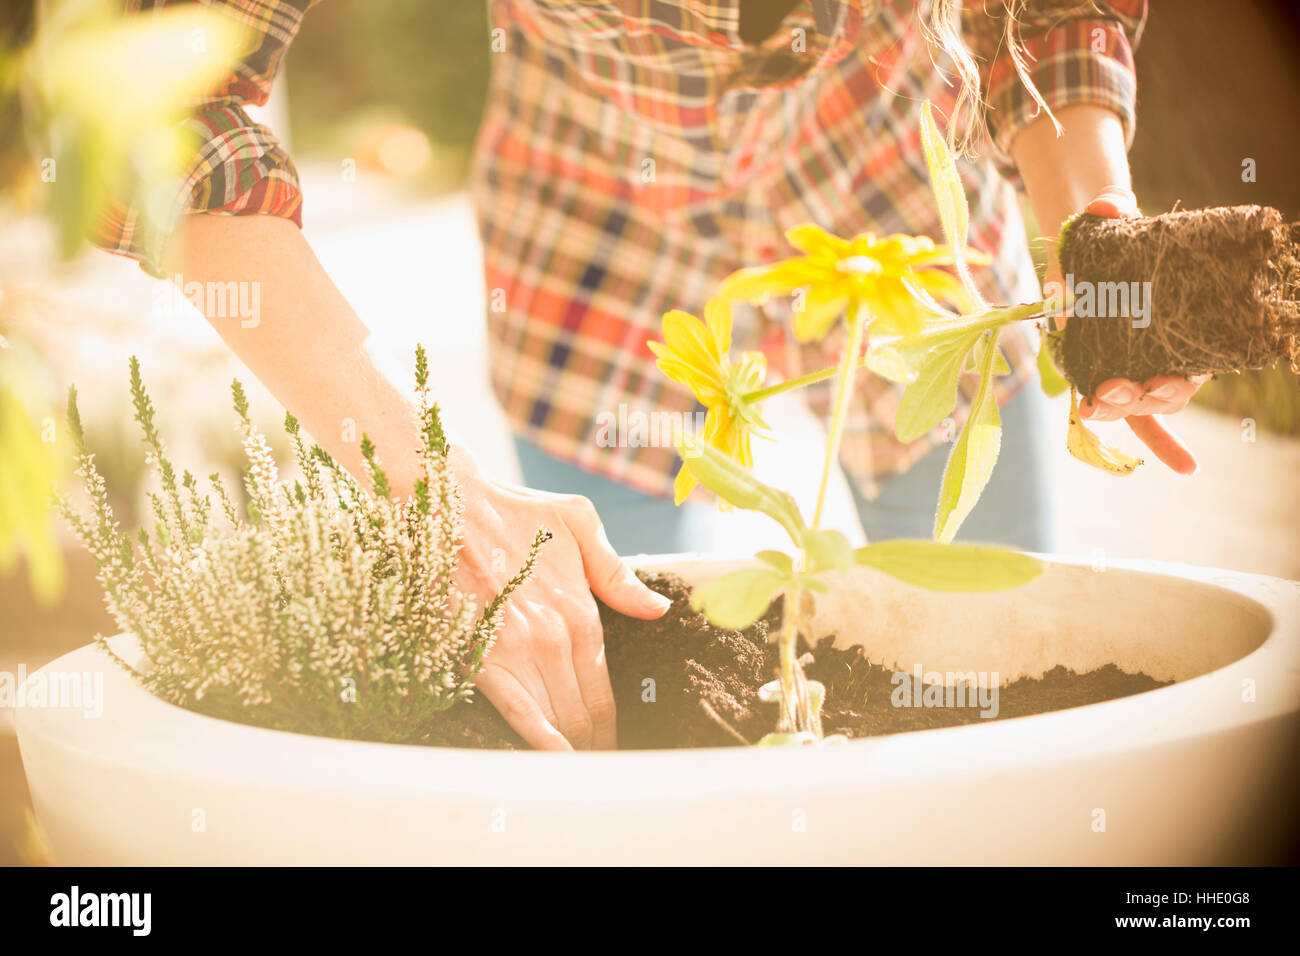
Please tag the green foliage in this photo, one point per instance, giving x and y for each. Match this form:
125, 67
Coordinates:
738, 599
103, 93
343, 66
1267, 396
98, 96
326, 608
739, 486
893, 363
826, 550
976, 450
929, 361
929, 399
973, 456
949, 194
1049, 376
950, 567
779, 560
28, 468
976, 357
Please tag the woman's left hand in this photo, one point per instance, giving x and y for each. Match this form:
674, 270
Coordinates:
1139, 403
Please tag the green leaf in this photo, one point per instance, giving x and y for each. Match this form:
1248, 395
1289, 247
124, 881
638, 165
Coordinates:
813, 583
949, 195
1000, 364
779, 560
950, 567
738, 486
889, 363
927, 301
976, 359
973, 457
937, 333
737, 600
1049, 376
827, 549
930, 399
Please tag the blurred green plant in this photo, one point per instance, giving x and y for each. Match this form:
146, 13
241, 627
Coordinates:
405, 60
99, 95
28, 468
1268, 396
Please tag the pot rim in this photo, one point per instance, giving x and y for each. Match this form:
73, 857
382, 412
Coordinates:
144, 733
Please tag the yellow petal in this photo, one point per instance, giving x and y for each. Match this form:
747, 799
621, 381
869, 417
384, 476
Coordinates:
945, 287
717, 313
819, 313
941, 256
862, 244
816, 241
900, 247
683, 484
689, 338
715, 423
741, 450
707, 390
780, 278
731, 437
895, 310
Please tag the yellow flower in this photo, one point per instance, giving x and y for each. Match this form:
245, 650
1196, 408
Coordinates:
697, 354
841, 273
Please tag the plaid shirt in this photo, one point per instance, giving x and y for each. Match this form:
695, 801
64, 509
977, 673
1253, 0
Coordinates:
635, 152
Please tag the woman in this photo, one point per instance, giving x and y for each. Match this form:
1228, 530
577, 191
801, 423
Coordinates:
632, 154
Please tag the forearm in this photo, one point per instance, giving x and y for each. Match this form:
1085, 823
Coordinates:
1062, 175
306, 344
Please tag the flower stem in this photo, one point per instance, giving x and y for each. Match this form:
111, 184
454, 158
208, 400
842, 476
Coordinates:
820, 375
857, 327
985, 320
787, 644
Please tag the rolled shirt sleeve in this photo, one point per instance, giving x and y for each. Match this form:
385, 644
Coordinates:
237, 167
1075, 53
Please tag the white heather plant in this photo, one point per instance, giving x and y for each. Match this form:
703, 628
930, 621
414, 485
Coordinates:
325, 608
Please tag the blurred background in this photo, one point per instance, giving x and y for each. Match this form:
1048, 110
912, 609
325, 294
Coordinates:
396, 89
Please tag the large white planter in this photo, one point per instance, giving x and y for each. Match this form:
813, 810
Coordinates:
1202, 771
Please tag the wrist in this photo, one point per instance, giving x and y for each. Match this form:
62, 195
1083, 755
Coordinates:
1063, 174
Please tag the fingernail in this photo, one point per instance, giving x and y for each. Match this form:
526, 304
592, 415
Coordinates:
658, 602
1119, 395
1164, 391
1116, 192
1121, 197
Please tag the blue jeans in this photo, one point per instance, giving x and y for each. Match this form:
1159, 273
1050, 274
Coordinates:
1015, 510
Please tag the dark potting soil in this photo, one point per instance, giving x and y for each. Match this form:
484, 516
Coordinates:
1223, 294
665, 671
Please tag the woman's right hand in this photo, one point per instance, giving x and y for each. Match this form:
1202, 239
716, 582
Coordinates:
546, 672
